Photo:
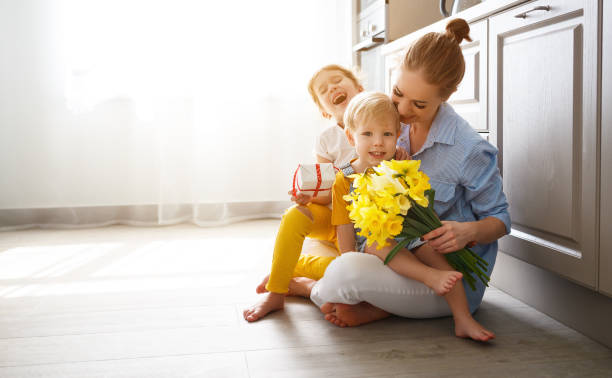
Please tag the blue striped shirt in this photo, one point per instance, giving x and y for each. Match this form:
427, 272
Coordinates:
462, 168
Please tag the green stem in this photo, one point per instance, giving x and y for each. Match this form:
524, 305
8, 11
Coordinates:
426, 215
415, 224
396, 249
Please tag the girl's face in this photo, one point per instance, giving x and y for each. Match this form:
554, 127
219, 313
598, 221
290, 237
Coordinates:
334, 91
374, 141
416, 100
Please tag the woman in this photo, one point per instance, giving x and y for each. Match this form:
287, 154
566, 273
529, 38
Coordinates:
462, 166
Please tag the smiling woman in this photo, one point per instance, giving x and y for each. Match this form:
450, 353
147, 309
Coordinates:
158, 112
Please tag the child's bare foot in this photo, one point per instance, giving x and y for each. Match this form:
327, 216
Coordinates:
298, 286
442, 281
468, 327
272, 302
261, 288
301, 287
345, 315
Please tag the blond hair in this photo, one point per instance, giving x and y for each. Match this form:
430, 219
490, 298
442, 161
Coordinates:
439, 57
330, 67
367, 106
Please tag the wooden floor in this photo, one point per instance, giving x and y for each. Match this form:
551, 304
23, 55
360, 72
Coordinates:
167, 302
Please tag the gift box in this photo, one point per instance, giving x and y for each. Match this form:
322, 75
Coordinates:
314, 179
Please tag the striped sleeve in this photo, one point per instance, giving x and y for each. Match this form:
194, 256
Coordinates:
483, 184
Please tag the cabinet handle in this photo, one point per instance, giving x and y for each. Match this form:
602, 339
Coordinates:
541, 7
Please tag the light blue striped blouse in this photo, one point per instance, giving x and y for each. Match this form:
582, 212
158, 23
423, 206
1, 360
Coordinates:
462, 167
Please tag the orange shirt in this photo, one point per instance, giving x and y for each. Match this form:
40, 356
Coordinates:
341, 187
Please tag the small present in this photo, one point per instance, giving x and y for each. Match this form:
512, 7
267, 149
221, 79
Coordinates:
314, 179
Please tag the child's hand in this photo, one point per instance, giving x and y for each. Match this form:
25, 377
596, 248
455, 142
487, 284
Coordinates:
300, 199
402, 154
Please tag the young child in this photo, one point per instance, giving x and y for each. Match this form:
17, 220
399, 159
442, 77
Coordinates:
332, 88
372, 126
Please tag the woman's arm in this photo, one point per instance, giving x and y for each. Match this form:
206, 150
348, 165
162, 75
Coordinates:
453, 236
346, 237
483, 192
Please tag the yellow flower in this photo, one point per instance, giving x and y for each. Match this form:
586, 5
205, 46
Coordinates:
355, 208
404, 204
387, 183
361, 182
372, 218
395, 225
407, 168
379, 237
418, 185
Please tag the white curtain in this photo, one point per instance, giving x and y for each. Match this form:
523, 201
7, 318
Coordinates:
157, 112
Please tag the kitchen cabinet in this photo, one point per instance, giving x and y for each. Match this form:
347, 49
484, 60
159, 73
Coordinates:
543, 116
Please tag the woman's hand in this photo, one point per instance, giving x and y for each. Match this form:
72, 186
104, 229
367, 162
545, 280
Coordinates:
300, 199
401, 154
451, 236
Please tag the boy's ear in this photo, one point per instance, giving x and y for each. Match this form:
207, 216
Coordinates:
349, 136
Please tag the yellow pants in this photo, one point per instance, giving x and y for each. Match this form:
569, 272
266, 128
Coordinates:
288, 261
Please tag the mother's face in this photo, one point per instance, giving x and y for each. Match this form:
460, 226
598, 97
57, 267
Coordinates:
416, 100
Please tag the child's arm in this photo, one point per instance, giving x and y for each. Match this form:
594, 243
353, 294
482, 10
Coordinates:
305, 199
321, 160
322, 199
346, 237
345, 229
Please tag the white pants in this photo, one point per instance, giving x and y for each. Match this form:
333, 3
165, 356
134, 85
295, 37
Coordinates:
359, 277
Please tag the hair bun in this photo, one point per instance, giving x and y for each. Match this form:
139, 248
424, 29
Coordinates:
458, 29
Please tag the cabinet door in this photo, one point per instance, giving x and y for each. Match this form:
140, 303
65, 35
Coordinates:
605, 225
470, 99
543, 118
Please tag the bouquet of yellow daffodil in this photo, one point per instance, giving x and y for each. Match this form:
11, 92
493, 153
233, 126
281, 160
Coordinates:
395, 200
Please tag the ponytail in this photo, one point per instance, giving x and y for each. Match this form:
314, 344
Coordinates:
439, 57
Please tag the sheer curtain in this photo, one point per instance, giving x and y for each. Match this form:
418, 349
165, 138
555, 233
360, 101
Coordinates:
158, 112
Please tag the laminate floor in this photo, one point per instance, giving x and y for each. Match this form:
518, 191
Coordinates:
167, 302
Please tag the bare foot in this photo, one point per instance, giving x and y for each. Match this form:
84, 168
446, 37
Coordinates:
345, 315
261, 288
442, 281
301, 287
467, 327
298, 286
272, 302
